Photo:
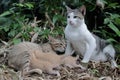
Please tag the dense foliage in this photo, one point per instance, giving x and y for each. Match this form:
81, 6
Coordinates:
20, 20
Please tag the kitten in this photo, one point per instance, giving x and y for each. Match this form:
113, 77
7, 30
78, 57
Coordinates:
37, 63
58, 59
48, 62
50, 57
80, 39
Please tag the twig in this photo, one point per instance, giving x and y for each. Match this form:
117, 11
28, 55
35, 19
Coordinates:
34, 24
3, 50
34, 37
50, 21
4, 42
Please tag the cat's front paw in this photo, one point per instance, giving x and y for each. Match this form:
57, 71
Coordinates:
84, 64
84, 61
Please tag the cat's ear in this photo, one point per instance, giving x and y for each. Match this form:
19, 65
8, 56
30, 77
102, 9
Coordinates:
83, 10
51, 39
68, 9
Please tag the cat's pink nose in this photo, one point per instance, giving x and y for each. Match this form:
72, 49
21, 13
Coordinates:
71, 22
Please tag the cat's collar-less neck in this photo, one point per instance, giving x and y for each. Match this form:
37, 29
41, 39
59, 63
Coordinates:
80, 27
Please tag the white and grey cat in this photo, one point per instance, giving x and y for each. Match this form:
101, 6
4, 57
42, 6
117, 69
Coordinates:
81, 40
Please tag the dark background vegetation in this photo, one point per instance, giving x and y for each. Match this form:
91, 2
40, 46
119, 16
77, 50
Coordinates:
21, 19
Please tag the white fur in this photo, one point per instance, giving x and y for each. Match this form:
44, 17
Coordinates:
79, 36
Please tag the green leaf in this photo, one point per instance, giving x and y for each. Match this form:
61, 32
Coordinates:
55, 18
111, 40
29, 5
12, 33
106, 20
114, 28
16, 41
6, 13
6, 29
114, 16
117, 21
113, 5
20, 4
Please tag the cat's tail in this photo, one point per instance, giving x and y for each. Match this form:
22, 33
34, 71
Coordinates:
110, 54
109, 50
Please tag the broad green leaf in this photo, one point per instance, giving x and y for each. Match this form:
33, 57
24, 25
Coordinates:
29, 5
6, 13
114, 28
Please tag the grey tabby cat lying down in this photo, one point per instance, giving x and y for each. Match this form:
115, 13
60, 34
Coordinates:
81, 40
19, 55
30, 57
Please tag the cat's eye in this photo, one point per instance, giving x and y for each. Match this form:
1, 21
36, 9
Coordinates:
75, 17
68, 16
80, 18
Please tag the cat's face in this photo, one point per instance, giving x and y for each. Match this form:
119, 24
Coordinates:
57, 45
75, 17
